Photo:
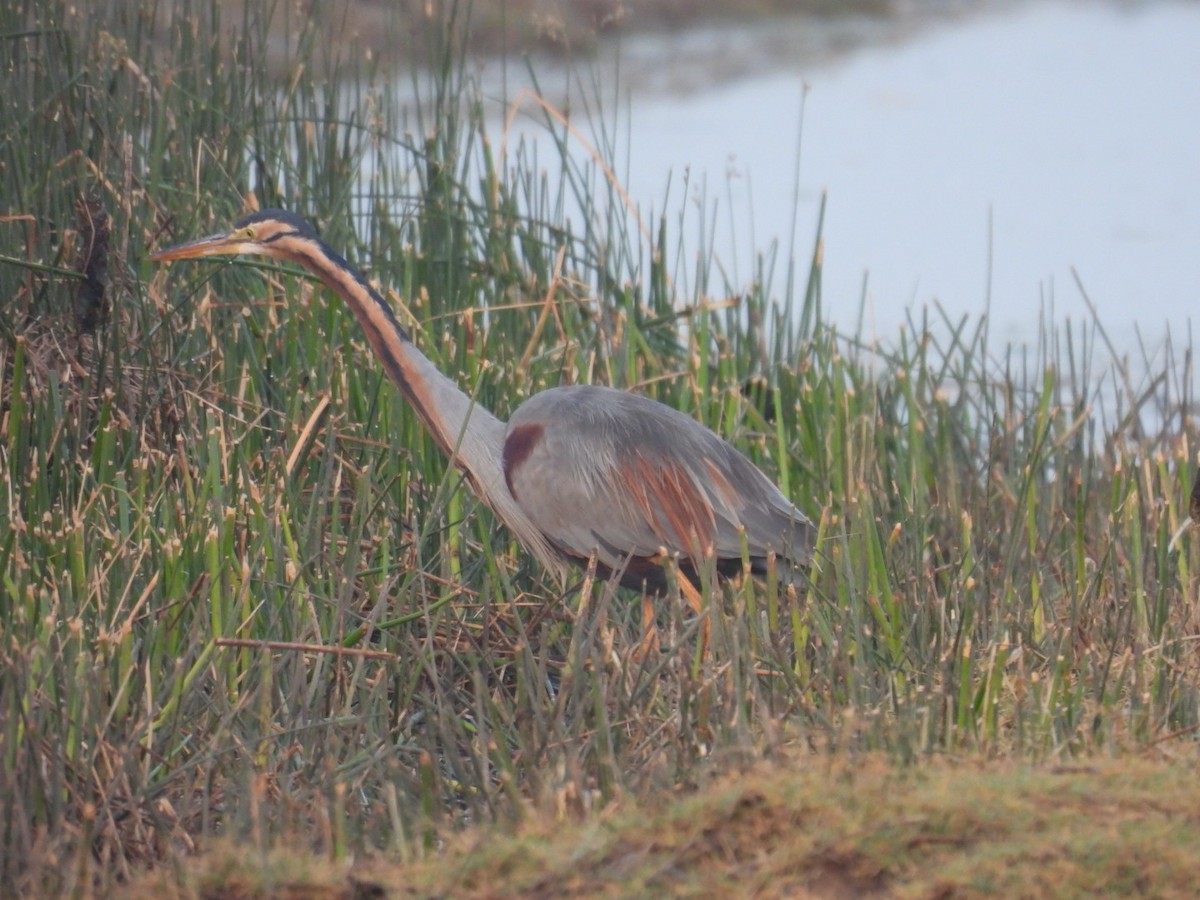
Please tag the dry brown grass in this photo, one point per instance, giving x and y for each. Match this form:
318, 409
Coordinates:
806, 827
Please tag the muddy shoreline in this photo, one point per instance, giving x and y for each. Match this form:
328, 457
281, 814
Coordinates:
392, 35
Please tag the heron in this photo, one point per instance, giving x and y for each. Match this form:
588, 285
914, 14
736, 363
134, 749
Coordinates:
583, 475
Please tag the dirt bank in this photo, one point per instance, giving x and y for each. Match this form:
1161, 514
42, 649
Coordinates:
391, 33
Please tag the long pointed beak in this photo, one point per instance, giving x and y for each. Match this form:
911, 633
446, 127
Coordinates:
221, 244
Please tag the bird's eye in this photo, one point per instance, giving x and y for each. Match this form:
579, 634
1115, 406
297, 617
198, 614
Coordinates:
247, 233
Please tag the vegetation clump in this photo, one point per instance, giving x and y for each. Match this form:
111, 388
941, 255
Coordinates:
244, 601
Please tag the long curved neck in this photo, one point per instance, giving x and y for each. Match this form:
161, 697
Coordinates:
442, 406
470, 436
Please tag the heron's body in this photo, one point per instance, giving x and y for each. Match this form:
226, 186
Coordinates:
610, 473
578, 472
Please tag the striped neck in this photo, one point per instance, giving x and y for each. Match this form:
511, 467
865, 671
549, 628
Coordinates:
470, 436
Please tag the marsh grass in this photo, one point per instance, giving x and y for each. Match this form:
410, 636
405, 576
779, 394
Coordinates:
245, 597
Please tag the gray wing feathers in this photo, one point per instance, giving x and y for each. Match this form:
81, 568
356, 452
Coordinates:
618, 474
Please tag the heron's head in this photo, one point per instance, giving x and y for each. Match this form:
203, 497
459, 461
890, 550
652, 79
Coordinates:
271, 232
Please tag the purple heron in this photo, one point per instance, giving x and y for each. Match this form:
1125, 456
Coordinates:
578, 473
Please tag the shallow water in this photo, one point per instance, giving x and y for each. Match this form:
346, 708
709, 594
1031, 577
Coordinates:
975, 162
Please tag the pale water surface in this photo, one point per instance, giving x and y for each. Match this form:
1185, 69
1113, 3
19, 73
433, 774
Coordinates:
977, 161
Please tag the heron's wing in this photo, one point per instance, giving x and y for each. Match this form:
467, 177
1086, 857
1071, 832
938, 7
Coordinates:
617, 475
